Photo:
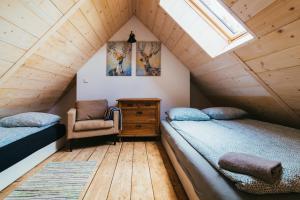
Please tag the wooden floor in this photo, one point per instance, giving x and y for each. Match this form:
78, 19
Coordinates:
127, 170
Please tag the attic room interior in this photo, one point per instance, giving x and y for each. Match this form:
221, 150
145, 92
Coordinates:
150, 99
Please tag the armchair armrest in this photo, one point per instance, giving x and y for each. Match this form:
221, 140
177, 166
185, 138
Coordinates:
116, 120
71, 122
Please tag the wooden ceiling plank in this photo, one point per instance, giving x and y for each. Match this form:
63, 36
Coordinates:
44, 9
167, 29
114, 11
18, 14
150, 18
14, 35
134, 6
82, 25
4, 66
283, 59
39, 62
39, 75
246, 9
108, 15
89, 11
59, 49
68, 31
130, 8
286, 37
40, 42
230, 3
123, 10
161, 16
63, 5
275, 16
101, 13
9, 52
176, 34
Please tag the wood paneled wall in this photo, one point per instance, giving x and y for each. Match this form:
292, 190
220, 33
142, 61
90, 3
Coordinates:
262, 77
45, 73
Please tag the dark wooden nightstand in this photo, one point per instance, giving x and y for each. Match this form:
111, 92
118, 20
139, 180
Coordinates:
141, 117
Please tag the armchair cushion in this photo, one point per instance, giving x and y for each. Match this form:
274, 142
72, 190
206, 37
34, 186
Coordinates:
87, 125
94, 109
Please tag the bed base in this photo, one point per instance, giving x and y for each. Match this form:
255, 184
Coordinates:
185, 181
14, 172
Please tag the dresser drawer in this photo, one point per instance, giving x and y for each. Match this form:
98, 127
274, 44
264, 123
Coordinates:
138, 129
138, 105
139, 115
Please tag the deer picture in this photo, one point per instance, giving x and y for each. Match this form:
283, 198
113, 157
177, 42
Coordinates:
119, 51
147, 50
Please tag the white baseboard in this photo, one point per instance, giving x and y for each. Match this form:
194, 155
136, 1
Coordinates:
12, 173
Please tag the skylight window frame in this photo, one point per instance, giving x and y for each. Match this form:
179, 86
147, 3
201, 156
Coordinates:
215, 22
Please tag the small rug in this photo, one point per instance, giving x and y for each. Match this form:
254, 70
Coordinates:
57, 180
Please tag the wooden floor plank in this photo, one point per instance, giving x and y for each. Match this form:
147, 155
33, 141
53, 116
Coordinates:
68, 156
121, 184
85, 154
141, 180
161, 183
100, 185
99, 153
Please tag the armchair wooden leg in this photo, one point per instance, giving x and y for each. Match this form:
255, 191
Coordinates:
69, 145
115, 139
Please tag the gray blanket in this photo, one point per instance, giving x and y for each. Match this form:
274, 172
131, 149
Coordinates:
270, 141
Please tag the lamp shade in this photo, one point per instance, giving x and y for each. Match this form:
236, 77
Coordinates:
131, 38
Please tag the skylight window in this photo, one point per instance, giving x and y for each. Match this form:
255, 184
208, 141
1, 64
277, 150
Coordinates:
219, 17
209, 23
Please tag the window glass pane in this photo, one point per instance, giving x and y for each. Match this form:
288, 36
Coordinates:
224, 16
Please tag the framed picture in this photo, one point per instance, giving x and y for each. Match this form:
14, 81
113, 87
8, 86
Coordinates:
148, 56
118, 59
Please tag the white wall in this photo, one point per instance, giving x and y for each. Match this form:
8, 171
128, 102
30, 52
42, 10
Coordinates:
173, 86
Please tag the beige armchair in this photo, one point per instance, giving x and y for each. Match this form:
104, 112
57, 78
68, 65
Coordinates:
91, 128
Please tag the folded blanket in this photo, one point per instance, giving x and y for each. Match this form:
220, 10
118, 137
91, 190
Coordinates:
266, 170
109, 115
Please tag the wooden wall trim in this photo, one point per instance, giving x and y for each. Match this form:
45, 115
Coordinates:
41, 41
271, 92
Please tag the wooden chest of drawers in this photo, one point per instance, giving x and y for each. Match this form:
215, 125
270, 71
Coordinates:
141, 117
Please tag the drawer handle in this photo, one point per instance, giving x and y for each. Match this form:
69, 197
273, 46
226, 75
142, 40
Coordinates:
138, 126
139, 113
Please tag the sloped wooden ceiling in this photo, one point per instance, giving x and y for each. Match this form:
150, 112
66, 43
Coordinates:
44, 42
262, 77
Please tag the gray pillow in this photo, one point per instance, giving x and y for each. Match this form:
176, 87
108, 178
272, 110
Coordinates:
225, 113
93, 109
187, 114
29, 119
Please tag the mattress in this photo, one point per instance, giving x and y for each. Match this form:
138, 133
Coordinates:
16, 144
208, 183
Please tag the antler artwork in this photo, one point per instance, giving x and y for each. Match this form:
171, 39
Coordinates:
119, 56
145, 57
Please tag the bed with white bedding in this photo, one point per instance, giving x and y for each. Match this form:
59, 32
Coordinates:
197, 144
